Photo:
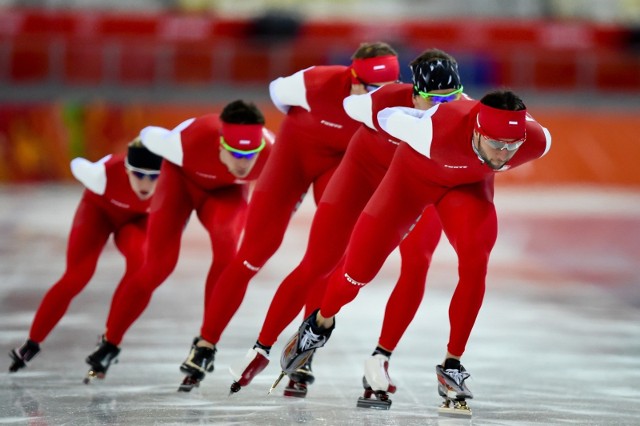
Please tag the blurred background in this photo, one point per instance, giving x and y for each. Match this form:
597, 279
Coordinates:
82, 77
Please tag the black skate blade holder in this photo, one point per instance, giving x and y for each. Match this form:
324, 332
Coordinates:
375, 404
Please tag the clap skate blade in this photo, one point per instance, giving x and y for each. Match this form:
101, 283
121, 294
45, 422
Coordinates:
296, 389
273, 386
17, 362
455, 408
188, 384
377, 400
91, 376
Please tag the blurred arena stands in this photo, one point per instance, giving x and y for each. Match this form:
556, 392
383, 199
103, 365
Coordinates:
82, 77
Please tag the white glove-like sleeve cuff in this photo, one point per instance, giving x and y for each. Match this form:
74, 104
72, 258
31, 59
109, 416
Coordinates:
289, 91
165, 143
360, 108
92, 175
409, 125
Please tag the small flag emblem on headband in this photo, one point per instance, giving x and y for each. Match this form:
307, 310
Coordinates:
501, 124
378, 69
244, 137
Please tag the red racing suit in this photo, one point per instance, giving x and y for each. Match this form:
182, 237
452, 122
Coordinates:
359, 174
311, 143
435, 165
108, 206
192, 178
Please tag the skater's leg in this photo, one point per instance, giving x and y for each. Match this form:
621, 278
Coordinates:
315, 291
316, 329
89, 233
171, 207
130, 241
416, 252
277, 194
323, 253
388, 216
469, 220
343, 199
374, 237
223, 216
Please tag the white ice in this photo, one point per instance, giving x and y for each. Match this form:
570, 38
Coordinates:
557, 340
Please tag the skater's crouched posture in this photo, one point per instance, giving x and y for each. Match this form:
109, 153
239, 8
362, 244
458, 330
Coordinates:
448, 159
311, 142
209, 162
115, 201
435, 80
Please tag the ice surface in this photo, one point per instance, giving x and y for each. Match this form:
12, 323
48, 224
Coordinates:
557, 340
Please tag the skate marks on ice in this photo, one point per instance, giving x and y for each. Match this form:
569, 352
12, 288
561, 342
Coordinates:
152, 405
557, 341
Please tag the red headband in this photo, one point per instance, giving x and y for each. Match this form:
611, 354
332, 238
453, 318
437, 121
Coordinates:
501, 124
375, 70
243, 137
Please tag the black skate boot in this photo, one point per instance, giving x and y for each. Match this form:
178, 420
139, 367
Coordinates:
23, 354
100, 360
198, 363
377, 383
299, 380
302, 345
452, 387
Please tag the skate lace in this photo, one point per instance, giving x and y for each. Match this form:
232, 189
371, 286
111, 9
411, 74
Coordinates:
457, 375
308, 340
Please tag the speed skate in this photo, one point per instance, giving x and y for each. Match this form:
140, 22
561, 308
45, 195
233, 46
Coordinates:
452, 388
198, 363
453, 407
377, 383
376, 399
100, 360
299, 380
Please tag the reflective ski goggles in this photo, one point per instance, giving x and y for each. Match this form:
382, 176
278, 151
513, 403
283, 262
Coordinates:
240, 154
440, 98
502, 145
371, 87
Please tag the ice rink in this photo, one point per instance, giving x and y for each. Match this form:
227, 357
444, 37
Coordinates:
557, 341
